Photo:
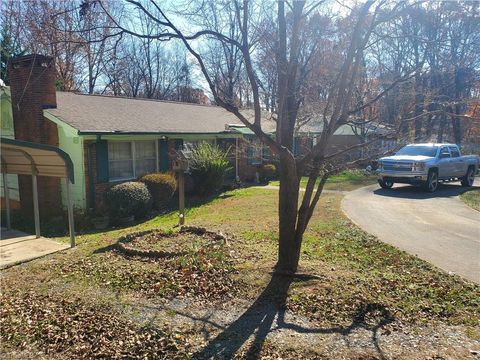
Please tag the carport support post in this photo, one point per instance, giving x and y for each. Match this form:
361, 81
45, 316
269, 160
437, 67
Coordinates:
36, 213
7, 199
70, 213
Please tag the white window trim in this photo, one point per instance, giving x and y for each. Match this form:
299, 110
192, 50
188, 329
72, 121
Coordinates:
133, 153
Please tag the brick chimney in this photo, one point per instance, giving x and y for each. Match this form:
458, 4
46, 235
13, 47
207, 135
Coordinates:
32, 88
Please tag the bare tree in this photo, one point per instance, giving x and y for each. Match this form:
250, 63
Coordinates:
295, 46
93, 24
442, 38
37, 30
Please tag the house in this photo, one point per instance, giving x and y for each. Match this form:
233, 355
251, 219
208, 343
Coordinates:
109, 139
115, 139
255, 153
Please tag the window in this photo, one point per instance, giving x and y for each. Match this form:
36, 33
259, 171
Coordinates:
454, 151
131, 159
423, 150
444, 153
120, 160
145, 157
254, 152
192, 145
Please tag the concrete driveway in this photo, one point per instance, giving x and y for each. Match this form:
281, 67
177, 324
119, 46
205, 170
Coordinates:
437, 227
17, 247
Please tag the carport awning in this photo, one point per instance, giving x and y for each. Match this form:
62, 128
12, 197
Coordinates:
23, 158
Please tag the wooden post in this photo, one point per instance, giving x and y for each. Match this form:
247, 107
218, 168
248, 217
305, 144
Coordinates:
36, 213
181, 198
7, 199
70, 214
237, 176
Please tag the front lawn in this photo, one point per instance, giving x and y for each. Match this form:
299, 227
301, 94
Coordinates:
219, 298
345, 181
472, 198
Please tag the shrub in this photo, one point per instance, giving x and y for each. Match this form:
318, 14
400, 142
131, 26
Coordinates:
269, 172
127, 199
161, 186
208, 166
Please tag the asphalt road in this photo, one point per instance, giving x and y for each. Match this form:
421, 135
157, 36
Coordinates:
437, 227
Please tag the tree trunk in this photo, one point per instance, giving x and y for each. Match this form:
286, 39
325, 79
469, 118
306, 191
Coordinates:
418, 111
289, 243
441, 128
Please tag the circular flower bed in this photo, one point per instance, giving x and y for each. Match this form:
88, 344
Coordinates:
159, 244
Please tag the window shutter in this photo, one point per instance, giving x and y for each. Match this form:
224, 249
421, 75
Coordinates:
102, 161
163, 155
249, 154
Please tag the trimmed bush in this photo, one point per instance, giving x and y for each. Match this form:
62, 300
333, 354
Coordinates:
127, 199
269, 172
208, 166
162, 187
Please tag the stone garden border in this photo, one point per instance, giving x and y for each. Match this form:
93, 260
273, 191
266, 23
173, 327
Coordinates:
123, 241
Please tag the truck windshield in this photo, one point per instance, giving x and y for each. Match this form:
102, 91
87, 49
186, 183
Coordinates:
430, 151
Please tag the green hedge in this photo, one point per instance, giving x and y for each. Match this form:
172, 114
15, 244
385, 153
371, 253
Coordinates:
269, 172
127, 199
162, 187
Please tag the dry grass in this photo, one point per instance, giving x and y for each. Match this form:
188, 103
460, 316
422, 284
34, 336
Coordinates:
472, 198
353, 271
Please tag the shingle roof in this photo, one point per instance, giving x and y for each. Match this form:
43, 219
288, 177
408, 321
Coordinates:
108, 114
97, 114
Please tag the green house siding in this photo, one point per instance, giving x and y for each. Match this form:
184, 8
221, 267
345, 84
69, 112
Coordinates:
72, 144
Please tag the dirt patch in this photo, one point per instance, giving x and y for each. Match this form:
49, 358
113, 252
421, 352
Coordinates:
160, 244
242, 330
191, 264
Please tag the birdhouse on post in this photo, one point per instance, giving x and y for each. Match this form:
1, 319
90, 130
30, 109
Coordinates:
180, 165
180, 162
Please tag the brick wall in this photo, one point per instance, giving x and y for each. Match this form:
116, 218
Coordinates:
303, 144
32, 86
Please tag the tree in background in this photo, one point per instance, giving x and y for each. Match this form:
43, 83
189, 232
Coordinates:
8, 49
299, 45
443, 39
10, 44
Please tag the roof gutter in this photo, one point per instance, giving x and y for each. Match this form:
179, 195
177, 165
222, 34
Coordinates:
102, 132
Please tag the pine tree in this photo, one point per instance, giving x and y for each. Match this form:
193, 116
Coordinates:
8, 49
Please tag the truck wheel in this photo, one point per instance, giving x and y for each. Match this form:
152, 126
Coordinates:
385, 184
469, 178
432, 181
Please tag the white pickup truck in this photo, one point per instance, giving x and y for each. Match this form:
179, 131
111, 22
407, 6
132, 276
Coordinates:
427, 165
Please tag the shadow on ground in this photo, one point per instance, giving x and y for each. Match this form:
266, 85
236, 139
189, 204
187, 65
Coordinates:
267, 314
414, 192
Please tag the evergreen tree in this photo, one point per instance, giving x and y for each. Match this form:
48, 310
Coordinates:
8, 49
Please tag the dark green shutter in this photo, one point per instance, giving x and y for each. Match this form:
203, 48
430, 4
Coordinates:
250, 154
163, 155
102, 161
296, 146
